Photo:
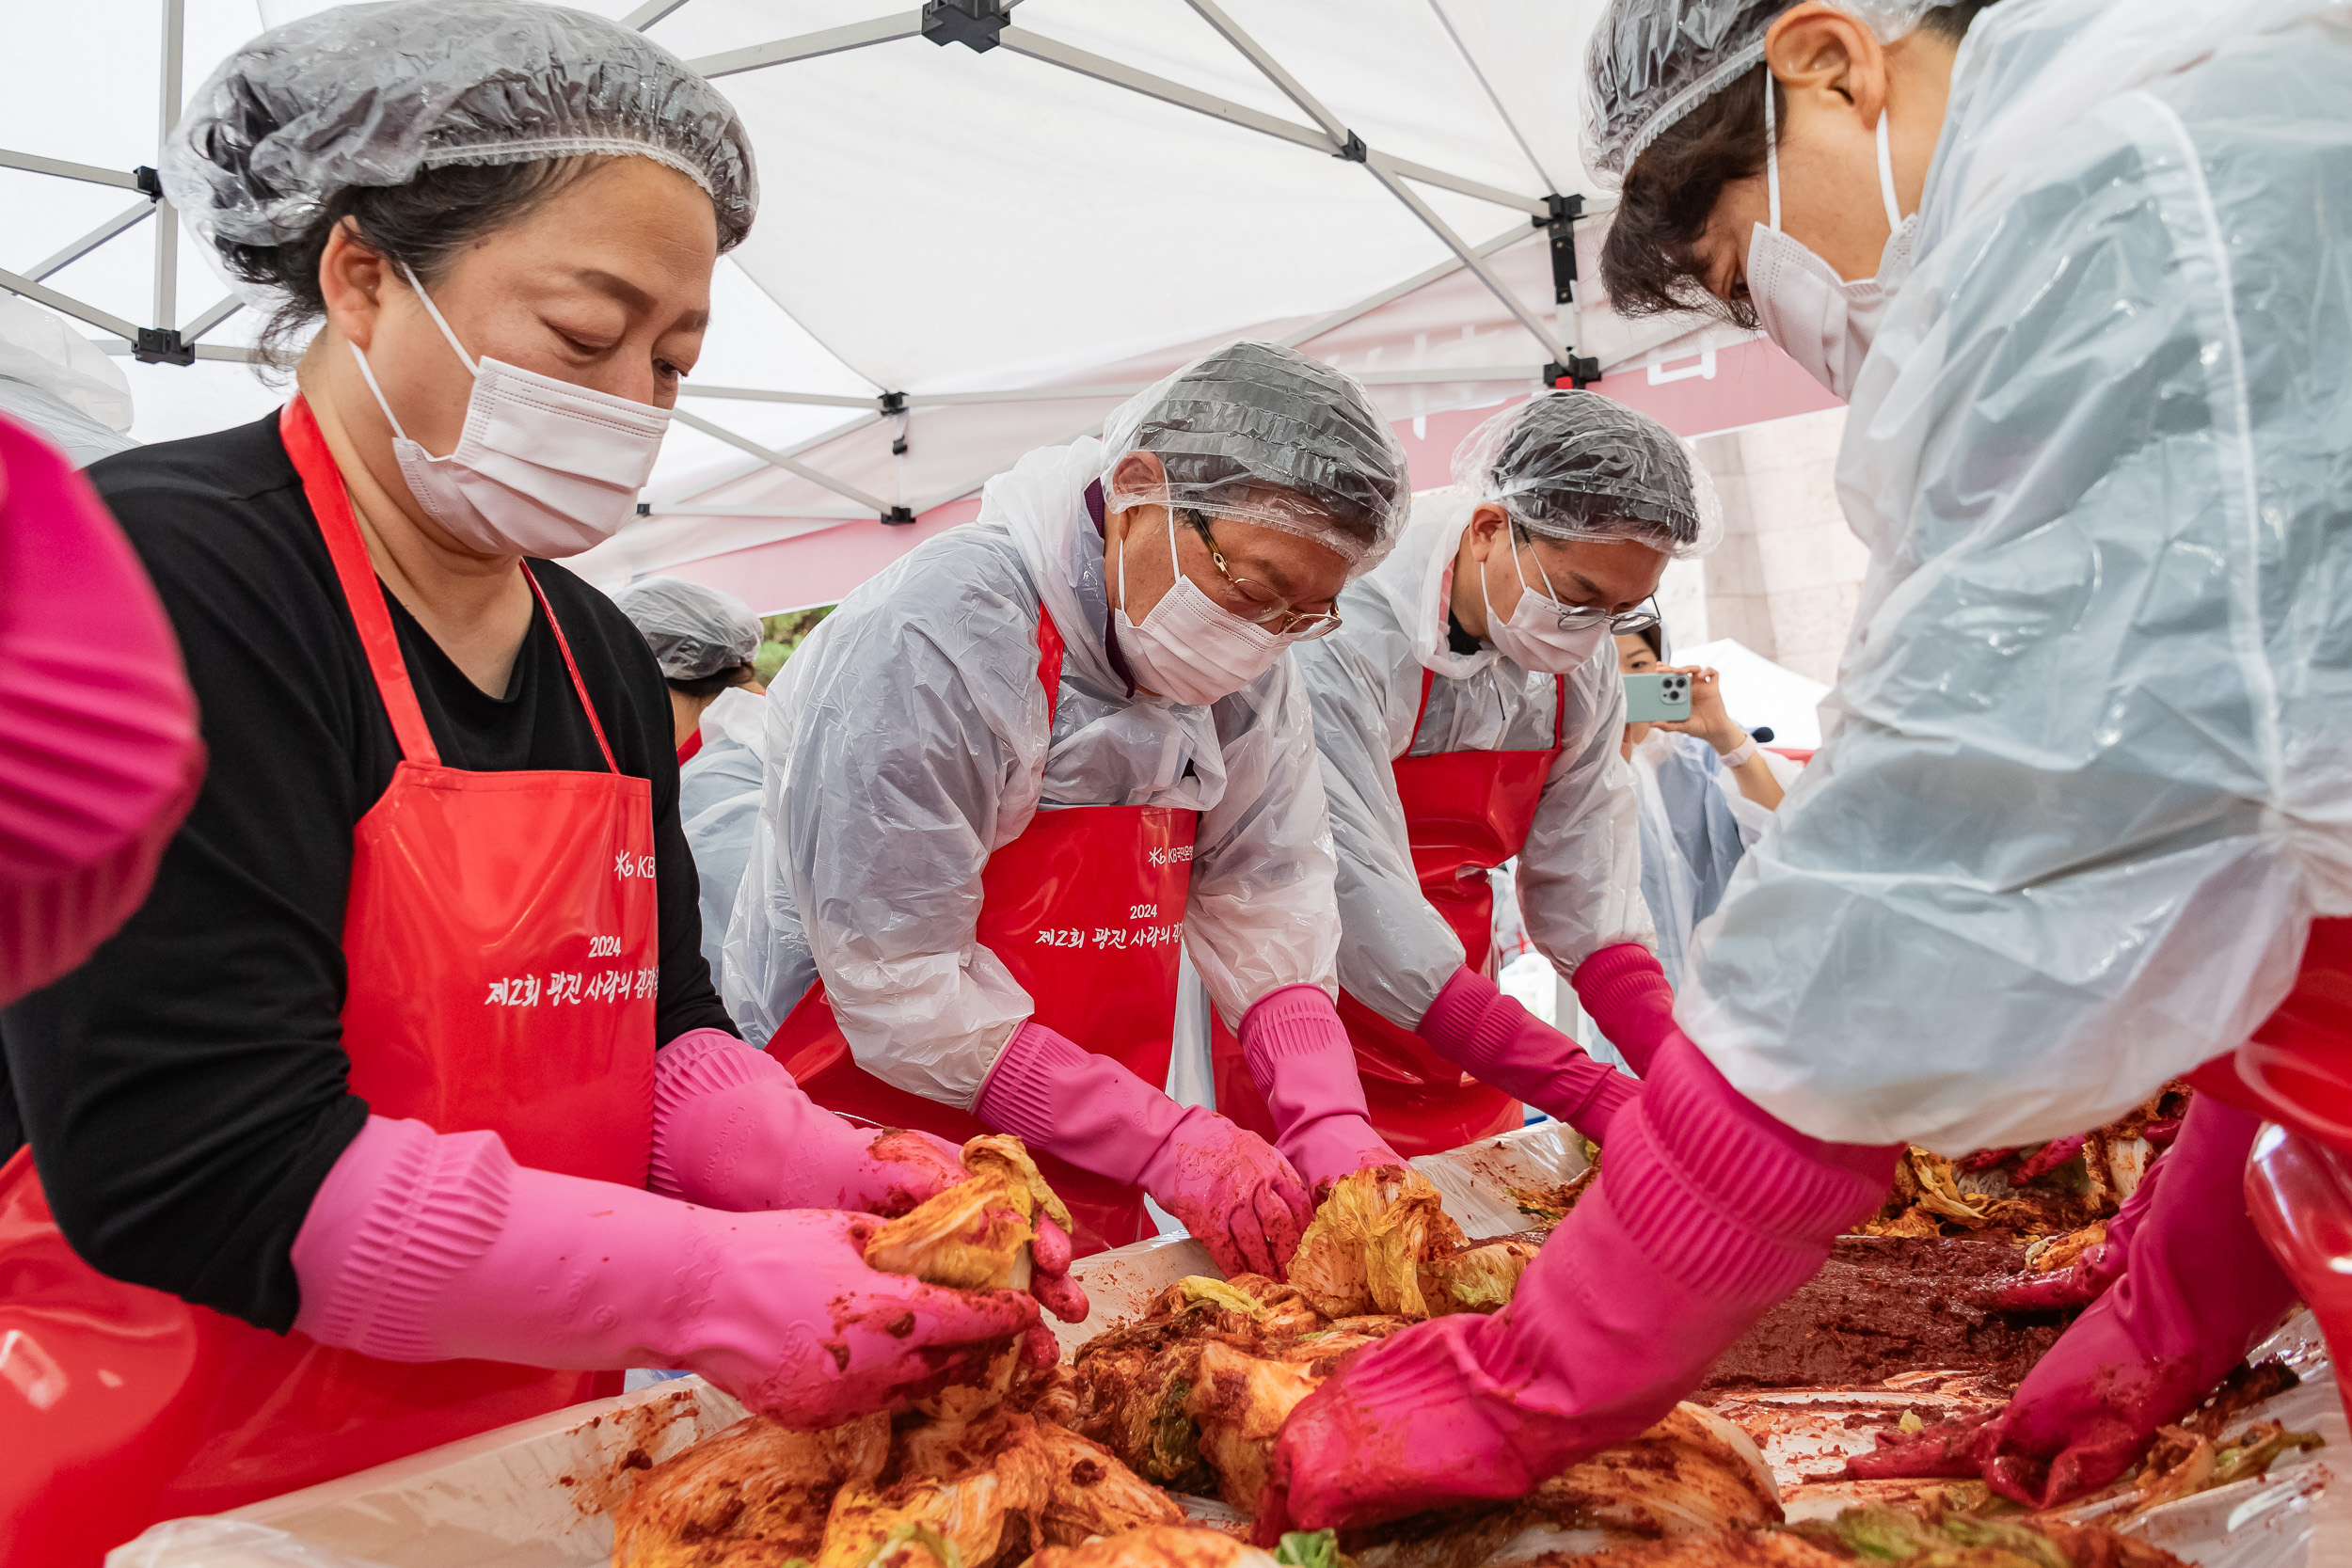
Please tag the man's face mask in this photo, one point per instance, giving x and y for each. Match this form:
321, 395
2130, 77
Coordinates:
1820, 319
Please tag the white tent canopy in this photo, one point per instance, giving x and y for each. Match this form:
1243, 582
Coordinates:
962, 253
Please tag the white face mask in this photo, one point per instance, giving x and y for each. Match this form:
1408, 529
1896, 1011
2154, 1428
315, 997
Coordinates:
543, 467
1191, 649
1541, 635
1820, 319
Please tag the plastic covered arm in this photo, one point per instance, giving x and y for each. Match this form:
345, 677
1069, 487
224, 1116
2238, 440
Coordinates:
1581, 869
1231, 1188
425, 1246
1396, 951
2086, 780
1627, 994
99, 755
1490, 1037
1261, 915
1302, 1062
906, 740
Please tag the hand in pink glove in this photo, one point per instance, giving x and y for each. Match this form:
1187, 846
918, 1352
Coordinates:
1625, 992
99, 754
1497, 1041
1229, 1188
732, 1131
2197, 1285
423, 1247
1708, 1211
1299, 1056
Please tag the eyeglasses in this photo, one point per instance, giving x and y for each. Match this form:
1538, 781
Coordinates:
1266, 606
1576, 617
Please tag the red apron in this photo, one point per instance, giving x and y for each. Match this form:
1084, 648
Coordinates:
1085, 908
499, 936
1465, 813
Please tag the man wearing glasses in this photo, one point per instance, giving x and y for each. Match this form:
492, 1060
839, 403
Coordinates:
1010, 774
1463, 719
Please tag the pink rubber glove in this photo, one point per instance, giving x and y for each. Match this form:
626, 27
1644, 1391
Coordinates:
1497, 1041
1625, 992
99, 754
731, 1130
1229, 1188
1707, 1212
423, 1246
2198, 1286
1300, 1059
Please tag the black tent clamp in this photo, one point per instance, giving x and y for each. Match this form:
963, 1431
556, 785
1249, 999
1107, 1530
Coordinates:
974, 23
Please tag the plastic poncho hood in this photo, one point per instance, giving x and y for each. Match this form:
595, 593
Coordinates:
2088, 767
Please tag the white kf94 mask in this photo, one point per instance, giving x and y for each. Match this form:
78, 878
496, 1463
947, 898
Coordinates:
1540, 634
1191, 649
543, 467
1820, 319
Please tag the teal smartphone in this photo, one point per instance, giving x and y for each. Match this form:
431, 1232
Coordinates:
1656, 694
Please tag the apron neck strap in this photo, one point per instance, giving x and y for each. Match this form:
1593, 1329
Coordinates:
330, 504
1428, 678
1049, 655
1559, 716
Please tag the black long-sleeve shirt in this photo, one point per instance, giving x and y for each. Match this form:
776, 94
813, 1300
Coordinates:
185, 1091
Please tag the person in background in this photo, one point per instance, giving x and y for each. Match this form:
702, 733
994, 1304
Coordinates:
1705, 792
2080, 824
1008, 774
703, 641
1466, 712
404, 1108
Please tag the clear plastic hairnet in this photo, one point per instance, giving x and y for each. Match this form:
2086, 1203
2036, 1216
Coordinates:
1650, 62
693, 631
1266, 434
1580, 465
369, 95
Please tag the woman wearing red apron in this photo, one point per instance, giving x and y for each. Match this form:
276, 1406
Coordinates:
1464, 718
1010, 774
340, 1149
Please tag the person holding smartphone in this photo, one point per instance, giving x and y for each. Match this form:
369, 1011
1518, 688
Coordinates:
1468, 711
1705, 792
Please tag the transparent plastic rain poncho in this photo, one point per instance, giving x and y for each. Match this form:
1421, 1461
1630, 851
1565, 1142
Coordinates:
1695, 827
1265, 434
1580, 879
1650, 62
2088, 768
693, 631
1566, 466
372, 94
907, 742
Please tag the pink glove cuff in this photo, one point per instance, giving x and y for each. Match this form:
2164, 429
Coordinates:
1694, 1153
689, 1075
1300, 1058
1054, 1095
1494, 1039
1627, 994
401, 1214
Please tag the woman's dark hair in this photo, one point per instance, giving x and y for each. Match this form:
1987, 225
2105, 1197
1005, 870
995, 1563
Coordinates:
1656, 637
1648, 262
425, 223
716, 682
